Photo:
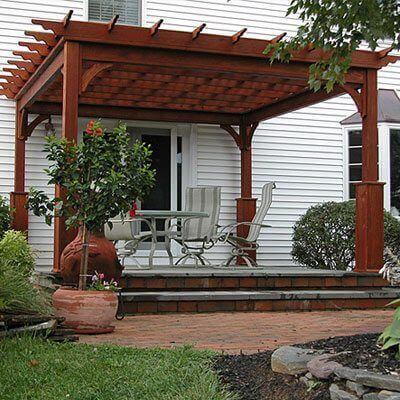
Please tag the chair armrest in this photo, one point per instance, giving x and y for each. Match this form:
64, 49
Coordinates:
223, 236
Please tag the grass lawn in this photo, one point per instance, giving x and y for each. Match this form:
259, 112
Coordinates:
37, 369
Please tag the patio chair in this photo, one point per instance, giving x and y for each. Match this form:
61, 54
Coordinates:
241, 245
130, 233
199, 234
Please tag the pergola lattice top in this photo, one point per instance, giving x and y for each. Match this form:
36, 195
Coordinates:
168, 75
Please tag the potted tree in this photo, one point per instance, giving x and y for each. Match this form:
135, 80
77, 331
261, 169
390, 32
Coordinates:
101, 178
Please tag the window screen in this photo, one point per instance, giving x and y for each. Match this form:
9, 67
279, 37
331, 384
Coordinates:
104, 10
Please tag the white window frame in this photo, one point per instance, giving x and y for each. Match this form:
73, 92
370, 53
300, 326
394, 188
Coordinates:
384, 158
142, 11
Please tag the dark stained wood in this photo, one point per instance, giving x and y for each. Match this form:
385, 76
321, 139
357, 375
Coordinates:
292, 103
18, 72
369, 95
154, 29
34, 57
18, 195
71, 87
67, 18
27, 131
369, 193
236, 37
278, 38
245, 163
212, 44
14, 79
369, 226
39, 82
234, 134
197, 31
219, 63
91, 73
26, 65
245, 211
111, 24
40, 48
49, 38
141, 114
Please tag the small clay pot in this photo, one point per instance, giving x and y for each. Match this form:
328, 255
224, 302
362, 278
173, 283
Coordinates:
86, 311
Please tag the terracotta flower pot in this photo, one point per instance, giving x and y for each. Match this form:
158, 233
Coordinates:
102, 258
86, 311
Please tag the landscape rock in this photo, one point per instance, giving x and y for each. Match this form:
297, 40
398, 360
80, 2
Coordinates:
357, 388
371, 396
347, 373
380, 381
339, 394
291, 360
388, 395
322, 367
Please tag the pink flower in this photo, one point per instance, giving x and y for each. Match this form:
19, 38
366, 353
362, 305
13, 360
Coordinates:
101, 276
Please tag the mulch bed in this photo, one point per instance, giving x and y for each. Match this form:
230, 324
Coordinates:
251, 377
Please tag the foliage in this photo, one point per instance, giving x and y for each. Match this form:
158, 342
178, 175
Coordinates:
19, 255
17, 292
338, 27
324, 236
48, 371
5, 216
99, 283
390, 337
102, 176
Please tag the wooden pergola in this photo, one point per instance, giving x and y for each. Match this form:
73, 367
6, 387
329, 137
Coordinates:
107, 70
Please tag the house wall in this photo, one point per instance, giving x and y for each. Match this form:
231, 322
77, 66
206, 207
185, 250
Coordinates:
302, 151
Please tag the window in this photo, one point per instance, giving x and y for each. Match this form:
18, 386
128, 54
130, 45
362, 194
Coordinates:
395, 172
355, 160
104, 10
354, 165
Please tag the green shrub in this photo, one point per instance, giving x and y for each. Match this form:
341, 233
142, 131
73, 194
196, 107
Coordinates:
17, 292
324, 236
390, 337
5, 216
15, 251
19, 295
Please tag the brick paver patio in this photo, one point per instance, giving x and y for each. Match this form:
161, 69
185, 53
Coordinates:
235, 332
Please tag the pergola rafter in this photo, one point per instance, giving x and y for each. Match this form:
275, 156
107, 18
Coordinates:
115, 71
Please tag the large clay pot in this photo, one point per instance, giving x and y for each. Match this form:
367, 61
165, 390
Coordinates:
86, 311
102, 258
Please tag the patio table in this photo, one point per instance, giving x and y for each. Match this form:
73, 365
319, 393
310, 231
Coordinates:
151, 217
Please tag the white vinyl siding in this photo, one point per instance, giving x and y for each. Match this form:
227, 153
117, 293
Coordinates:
301, 151
15, 18
104, 10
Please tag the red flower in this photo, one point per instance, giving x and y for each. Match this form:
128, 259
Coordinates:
94, 128
132, 212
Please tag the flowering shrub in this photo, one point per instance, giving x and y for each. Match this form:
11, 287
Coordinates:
101, 176
98, 283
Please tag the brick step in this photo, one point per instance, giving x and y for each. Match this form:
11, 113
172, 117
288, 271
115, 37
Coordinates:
256, 300
233, 281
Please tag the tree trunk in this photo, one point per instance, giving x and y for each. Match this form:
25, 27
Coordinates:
84, 259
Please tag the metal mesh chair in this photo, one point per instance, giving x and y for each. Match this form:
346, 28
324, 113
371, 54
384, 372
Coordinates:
199, 233
241, 245
129, 232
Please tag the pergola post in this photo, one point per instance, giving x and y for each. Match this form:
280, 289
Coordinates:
71, 86
369, 193
245, 204
18, 196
